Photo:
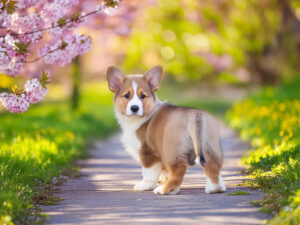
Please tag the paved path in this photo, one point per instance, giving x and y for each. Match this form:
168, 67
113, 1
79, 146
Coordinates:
104, 194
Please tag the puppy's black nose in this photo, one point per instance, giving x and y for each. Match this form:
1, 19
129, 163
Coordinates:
134, 108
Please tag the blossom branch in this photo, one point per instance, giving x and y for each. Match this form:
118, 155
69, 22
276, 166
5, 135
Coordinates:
47, 53
52, 27
42, 56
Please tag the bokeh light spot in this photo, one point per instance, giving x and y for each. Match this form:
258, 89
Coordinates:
167, 52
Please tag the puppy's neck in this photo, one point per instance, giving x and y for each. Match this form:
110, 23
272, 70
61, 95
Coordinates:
135, 122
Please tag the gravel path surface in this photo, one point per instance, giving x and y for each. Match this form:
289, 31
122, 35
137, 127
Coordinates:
104, 193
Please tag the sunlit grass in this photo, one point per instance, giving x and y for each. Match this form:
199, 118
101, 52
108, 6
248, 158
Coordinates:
271, 121
42, 143
238, 193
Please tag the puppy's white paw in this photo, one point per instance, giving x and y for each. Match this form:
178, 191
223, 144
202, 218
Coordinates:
222, 185
211, 187
144, 186
159, 190
174, 192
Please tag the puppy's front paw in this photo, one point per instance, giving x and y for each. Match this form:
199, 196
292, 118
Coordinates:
144, 186
159, 190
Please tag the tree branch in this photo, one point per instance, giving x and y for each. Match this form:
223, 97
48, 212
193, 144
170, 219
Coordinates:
42, 56
47, 53
52, 27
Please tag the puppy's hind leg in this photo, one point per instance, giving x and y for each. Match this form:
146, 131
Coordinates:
205, 135
214, 182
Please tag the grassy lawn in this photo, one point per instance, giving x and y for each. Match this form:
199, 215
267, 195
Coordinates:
270, 120
41, 144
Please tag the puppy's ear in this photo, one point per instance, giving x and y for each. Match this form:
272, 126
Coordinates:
153, 77
115, 78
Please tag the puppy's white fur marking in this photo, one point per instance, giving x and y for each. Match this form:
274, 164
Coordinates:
221, 183
150, 178
197, 160
129, 125
211, 187
158, 190
129, 139
135, 101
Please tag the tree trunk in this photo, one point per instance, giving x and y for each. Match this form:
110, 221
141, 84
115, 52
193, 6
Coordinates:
75, 98
281, 54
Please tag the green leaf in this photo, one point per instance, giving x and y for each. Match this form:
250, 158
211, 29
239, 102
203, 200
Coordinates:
63, 45
44, 80
75, 16
61, 21
22, 48
16, 90
110, 3
10, 6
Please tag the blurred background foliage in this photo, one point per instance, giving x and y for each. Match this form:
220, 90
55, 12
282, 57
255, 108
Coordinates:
206, 43
229, 40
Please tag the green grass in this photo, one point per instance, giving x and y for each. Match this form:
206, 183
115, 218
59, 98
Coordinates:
41, 144
239, 193
270, 120
191, 95
257, 203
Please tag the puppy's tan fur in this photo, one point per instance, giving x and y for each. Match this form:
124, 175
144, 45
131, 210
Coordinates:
168, 137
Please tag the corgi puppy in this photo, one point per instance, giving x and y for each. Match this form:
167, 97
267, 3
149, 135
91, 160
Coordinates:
165, 139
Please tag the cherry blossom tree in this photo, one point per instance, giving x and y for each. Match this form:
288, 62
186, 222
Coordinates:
31, 30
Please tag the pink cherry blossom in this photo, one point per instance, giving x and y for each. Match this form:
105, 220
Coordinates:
74, 45
22, 24
11, 62
34, 91
28, 3
51, 24
14, 103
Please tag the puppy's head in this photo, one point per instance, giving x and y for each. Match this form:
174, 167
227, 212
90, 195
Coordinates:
134, 94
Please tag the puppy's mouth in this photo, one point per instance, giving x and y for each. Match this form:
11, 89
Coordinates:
134, 114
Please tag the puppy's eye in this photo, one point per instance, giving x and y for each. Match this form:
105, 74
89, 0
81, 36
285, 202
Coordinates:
143, 96
127, 95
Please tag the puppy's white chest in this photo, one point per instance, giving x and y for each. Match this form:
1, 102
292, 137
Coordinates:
131, 143
129, 139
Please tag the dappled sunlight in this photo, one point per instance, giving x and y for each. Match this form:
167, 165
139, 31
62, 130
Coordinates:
105, 192
237, 60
